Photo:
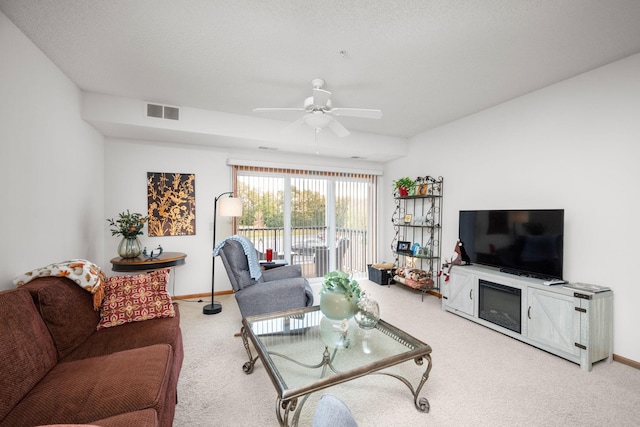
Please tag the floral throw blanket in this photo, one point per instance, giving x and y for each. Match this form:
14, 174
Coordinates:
85, 273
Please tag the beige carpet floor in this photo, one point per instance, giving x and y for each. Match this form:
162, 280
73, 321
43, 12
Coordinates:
479, 377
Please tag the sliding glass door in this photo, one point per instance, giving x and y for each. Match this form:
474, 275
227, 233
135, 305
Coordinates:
318, 220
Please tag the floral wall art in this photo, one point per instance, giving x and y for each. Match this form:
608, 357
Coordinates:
171, 204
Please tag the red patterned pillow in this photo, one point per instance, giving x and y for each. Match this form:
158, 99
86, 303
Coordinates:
135, 298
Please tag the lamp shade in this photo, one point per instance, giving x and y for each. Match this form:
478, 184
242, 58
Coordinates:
230, 206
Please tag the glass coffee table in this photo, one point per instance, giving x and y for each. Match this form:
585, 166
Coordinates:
304, 352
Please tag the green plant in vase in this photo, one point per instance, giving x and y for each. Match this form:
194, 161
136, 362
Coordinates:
339, 295
404, 186
129, 226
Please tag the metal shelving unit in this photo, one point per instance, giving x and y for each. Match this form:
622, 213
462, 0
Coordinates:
417, 221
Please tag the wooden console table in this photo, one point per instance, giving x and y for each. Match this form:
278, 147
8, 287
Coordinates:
165, 260
140, 264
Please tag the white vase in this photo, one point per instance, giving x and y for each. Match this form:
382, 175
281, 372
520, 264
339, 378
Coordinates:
336, 306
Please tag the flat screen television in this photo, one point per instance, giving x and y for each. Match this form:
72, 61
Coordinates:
525, 242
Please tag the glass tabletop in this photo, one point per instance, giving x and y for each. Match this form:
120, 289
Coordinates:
304, 351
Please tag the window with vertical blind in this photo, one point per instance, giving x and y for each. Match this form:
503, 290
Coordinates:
321, 220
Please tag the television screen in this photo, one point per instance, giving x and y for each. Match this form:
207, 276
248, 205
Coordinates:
526, 242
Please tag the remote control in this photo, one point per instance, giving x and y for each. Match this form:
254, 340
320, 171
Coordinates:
553, 282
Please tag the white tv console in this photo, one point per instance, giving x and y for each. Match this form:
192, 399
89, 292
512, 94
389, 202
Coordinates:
576, 325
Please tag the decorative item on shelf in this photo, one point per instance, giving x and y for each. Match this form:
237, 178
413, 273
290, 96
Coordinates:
416, 249
339, 295
419, 220
368, 312
129, 226
229, 206
407, 218
155, 253
414, 277
404, 186
455, 259
419, 251
422, 190
403, 247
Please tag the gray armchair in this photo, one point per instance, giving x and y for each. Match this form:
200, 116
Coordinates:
278, 289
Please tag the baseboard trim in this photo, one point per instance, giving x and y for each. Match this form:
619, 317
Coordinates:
207, 295
626, 361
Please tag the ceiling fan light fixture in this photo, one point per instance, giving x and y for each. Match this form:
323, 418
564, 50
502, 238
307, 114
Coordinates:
317, 121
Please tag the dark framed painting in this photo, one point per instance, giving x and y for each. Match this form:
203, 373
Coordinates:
171, 204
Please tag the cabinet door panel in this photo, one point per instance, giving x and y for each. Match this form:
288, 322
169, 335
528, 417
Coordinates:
550, 319
462, 290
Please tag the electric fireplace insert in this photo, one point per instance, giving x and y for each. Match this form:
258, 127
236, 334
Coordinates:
501, 305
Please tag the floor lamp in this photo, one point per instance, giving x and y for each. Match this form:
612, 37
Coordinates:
229, 206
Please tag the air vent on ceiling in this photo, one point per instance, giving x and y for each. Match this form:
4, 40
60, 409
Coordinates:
163, 112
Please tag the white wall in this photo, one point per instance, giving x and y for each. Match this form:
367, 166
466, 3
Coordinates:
574, 145
126, 166
51, 165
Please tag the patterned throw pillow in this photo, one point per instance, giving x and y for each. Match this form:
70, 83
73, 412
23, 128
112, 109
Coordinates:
135, 298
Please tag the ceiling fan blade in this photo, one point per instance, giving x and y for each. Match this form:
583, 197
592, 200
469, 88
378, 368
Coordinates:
321, 97
338, 129
277, 109
290, 128
363, 113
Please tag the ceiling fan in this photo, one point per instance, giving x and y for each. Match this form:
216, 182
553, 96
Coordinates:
320, 111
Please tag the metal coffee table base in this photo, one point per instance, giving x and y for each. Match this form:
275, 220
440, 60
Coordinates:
286, 405
283, 407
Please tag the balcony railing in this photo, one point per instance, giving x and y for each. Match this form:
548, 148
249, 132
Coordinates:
310, 250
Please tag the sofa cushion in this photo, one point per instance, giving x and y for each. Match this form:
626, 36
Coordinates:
27, 352
66, 309
144, 418
131, 335
135, 298
91, 389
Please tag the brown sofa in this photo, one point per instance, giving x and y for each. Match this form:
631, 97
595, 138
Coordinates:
56, 368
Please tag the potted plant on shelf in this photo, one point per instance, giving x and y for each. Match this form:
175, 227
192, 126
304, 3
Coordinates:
339, 295
129, 226
404, 186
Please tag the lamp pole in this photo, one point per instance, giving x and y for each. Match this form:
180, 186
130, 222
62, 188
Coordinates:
214, 308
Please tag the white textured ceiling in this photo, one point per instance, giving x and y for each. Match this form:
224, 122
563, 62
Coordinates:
423, 63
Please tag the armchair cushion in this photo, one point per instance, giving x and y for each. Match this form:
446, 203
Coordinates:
276, 295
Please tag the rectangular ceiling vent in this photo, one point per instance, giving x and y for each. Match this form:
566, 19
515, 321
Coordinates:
163, 112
